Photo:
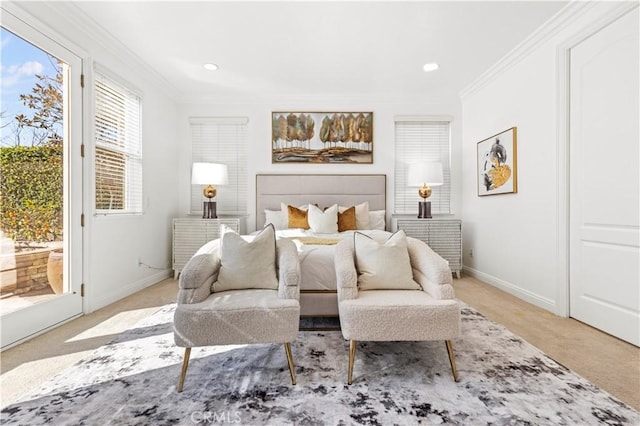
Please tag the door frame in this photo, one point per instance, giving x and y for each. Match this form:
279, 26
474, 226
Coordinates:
23, 24
563, 79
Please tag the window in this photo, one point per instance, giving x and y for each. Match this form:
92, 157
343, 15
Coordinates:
118, 164
222, 140
421, 139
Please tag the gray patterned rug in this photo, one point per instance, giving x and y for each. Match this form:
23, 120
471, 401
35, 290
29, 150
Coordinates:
503, 381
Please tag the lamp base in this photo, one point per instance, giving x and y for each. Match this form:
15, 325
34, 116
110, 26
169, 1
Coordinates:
424, 210
209, 210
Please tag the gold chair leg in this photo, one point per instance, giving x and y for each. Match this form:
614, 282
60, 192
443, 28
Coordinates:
452, 360
352, 357
185, 364
287, 349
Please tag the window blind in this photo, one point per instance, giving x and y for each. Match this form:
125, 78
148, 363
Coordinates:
421, 139
118, 156
222, 140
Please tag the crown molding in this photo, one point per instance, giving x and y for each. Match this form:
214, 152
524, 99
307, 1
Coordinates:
553, 26
14, 10
69, 15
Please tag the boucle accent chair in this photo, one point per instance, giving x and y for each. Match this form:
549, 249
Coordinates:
237, 316
430, 313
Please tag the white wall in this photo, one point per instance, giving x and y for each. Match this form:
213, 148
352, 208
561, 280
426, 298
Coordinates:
518, 239
113, 245
259, 114
116, 243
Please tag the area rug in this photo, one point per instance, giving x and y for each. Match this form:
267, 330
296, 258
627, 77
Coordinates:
503, 381
320, 324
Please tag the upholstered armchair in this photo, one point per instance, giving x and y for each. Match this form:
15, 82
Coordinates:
398, 290
236, 292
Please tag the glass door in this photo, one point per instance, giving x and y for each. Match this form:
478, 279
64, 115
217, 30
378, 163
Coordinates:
40, 182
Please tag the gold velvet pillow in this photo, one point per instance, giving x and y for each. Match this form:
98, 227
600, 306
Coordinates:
347, 219
297, 218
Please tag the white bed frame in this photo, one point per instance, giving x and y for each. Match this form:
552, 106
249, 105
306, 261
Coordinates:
323, 190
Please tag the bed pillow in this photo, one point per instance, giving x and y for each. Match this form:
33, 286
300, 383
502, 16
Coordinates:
347, 220
247, 264
362, 215
297, 217
383, 266
323, 222
377, 220
276, 218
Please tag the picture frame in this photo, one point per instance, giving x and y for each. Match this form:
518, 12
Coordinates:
322, 137
497, 171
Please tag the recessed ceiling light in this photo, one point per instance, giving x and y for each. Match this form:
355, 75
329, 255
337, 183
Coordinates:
210, 67
431, 66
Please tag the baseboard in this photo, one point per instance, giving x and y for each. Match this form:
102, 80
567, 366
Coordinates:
127, 290
526, 295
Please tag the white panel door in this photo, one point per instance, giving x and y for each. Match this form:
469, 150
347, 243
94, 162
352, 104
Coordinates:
604, 200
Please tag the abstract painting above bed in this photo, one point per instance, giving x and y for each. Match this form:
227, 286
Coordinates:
322, 137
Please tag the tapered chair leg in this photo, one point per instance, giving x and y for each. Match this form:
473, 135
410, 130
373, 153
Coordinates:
352, 356
287, 349
185, 364
452, 360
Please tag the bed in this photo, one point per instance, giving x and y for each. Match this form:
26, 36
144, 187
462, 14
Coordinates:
318, 296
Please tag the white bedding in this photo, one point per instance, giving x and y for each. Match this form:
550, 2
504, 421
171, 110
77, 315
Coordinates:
317, 260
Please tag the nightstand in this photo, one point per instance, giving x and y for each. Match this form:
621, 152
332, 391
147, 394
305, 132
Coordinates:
444, 236
189, 234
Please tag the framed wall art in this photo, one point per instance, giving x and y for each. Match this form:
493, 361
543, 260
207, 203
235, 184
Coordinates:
322, 137
497, 164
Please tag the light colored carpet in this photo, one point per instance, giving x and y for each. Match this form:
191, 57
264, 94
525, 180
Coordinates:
503, 380
27, 366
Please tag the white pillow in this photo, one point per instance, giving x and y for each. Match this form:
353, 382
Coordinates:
377, 220
276, 218
383, 266
323, 222
247, 264
362, 215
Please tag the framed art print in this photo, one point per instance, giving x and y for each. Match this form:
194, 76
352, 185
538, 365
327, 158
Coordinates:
322, 137
497, 164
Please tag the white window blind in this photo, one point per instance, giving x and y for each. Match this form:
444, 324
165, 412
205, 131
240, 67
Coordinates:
118, 157
222, 140
421, 139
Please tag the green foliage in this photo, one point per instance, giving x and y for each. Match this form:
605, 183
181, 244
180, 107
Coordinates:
31, 192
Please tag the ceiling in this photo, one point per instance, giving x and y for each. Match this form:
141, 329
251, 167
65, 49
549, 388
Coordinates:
318, 48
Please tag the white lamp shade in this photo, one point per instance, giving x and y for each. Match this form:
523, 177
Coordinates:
209, 174
429, 172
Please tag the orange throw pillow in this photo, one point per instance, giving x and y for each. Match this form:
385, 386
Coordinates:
347, 219
297, 218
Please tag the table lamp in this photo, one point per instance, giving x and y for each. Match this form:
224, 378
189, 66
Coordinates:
425, 175
209, 174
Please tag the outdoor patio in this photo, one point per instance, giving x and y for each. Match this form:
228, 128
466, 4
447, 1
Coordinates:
23, 275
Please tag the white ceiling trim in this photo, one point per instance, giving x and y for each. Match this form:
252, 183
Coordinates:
553, 26
72, 16
18, 12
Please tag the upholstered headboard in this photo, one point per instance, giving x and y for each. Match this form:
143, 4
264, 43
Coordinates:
323, 190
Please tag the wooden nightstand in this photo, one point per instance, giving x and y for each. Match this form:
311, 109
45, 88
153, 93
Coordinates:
444, 236
189, 234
